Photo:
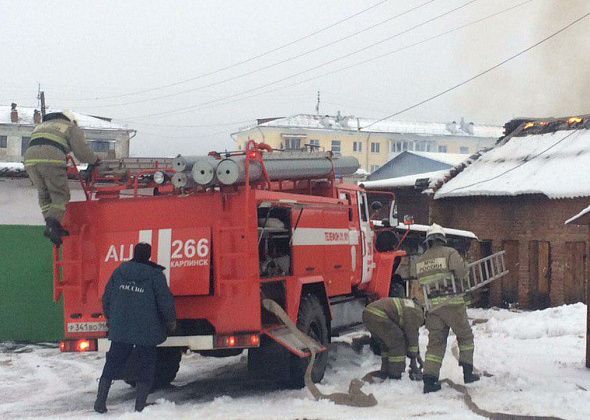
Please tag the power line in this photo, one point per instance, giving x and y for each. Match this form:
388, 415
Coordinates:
569, 25
247, 60
263, 68
191, 107
382, 55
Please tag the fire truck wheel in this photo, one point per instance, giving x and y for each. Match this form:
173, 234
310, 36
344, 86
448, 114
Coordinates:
313, 322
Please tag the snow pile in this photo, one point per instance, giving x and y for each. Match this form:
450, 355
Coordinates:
552, 322
540, 373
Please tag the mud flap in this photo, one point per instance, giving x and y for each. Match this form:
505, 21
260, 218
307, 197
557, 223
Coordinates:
292, 342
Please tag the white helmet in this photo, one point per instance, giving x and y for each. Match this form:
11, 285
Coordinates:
436, 232
70, 116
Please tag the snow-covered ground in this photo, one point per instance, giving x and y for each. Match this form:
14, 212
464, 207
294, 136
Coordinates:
537, 359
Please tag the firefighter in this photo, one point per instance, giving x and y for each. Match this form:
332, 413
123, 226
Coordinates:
45, 163
442, 269
394, 323
139, 308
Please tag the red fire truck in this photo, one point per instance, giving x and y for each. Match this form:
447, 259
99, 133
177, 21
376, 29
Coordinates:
301, 238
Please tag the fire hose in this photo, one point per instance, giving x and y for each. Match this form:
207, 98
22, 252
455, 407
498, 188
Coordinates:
355, 396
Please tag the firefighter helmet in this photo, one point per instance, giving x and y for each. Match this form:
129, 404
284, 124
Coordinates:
70, 116
436, 232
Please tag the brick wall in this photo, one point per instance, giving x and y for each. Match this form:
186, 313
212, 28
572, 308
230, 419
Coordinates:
540, 247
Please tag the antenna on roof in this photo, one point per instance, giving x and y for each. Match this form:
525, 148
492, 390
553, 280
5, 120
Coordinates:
41, 98
317, 105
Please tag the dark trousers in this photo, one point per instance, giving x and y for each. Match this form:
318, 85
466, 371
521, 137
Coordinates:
118, 355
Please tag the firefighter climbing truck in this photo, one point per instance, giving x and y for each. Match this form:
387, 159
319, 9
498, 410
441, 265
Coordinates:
231, 229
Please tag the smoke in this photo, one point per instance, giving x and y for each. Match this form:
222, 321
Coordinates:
553, 79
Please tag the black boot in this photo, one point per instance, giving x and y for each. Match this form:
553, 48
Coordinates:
431, 384
100, 405
55, 231
468, 375
142, 390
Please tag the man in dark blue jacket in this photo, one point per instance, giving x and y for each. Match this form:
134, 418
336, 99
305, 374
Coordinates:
139, 308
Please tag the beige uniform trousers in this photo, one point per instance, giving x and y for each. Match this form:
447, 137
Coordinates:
51, 182
438, 323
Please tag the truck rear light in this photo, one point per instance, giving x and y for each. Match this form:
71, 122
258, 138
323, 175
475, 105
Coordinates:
237, 340
82, 345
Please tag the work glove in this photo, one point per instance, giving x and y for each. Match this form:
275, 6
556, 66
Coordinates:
171, 327
87, 174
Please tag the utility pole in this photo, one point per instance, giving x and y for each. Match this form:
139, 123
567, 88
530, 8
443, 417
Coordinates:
317, 105
41, 98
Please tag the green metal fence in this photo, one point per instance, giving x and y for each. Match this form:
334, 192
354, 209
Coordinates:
27, 310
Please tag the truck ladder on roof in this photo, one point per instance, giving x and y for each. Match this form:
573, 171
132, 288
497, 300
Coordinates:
134, 165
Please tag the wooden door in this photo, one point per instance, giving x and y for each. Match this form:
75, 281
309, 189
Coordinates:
574, 287
510, 281
539, 274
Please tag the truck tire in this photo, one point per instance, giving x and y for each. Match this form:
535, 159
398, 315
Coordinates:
167, 365
312, 321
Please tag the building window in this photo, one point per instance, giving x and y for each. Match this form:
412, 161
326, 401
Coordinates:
463, 149
357, 146
442, 149
292, 143
336, 147
420, 147
24, 144
374, 168
102, 145
3, 142
375, 147
315, 144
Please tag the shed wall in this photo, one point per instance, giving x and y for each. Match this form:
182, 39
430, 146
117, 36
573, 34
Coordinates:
548, 258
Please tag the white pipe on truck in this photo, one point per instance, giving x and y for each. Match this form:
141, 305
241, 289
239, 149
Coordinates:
203, 170
283, 166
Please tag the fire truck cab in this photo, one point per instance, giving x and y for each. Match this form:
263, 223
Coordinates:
307, 244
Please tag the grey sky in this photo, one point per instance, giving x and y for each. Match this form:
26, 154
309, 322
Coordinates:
83, 50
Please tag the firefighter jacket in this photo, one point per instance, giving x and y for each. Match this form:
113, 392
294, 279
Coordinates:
406, 313
138, 304
55, 139
442, 270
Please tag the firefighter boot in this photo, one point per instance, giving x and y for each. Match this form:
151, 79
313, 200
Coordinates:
431, 384
142, 391
100, 405
468, 375
55, 231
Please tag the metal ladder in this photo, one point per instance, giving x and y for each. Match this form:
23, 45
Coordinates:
485, 271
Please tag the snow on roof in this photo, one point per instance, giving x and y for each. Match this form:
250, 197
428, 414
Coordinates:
452, 159
11, 168
328, 122
25, 117
578, 216
406, 181
554, 164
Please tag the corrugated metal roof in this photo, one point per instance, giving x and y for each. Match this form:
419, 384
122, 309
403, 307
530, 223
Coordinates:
553, 164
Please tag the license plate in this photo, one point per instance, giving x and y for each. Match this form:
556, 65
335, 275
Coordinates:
82, 327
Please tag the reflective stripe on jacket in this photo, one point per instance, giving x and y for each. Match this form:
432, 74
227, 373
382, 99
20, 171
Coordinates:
405, 313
